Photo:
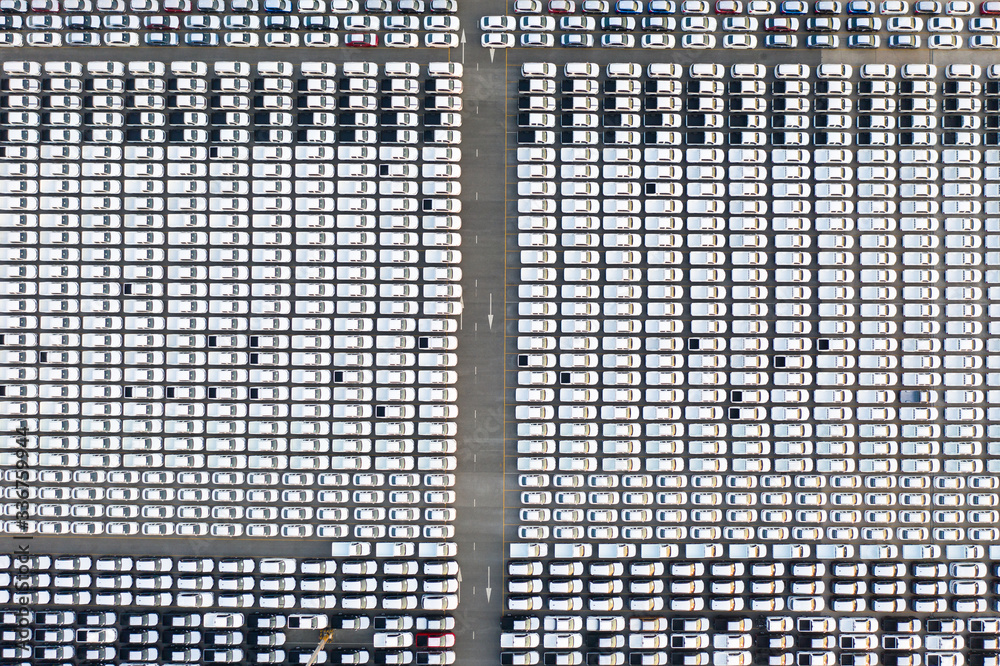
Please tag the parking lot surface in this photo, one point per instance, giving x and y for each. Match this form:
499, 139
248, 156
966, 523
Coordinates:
708, 379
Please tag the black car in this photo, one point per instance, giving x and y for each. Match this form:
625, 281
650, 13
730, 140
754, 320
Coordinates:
867, 105
743, 138
742, 87
433, 120
349, 136
530, 137
574, 103
743, 104
697, 120
393, 136
525, 87
438, 85
821, 139
662, 87
952, 121
575, 137
391, 119
654, 138
577, 87
600, 658
700, 88
865, 139
781, 103
821, 87
698, 139
656, 119
700, 104
617, 120
739, 120
779, 139
620, 138
433, 102
956, 139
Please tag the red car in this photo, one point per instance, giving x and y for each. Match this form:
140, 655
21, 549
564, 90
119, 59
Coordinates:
729, 7
990, 8
364, 39
435, 641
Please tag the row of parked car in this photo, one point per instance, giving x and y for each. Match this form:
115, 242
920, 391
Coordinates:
698, 29
789, 72
237, 7
751, 8
130, 23
781, 40
694, 19
735, 24
223, 637
678, 639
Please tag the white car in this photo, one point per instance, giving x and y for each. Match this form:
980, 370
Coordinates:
497, 23
658, 41
441, 40
698, 41
984, 42
537, 23
121, 39
441, 23
944, 41
530, 40
403, 40
498, 40
617, 40
739, 42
